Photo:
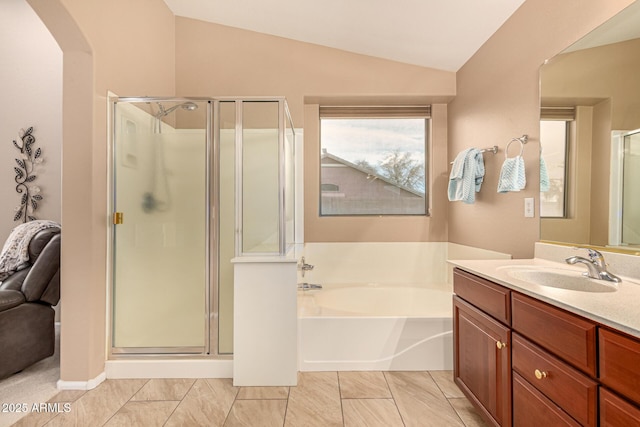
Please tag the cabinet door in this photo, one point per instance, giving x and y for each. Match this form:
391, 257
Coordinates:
615, 411
482, 363
619, 362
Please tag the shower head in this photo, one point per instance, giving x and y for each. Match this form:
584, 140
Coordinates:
189, 106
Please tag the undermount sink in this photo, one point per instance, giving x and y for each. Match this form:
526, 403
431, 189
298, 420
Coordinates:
561, 279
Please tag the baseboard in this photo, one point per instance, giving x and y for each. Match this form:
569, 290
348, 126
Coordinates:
119, 369
81, 385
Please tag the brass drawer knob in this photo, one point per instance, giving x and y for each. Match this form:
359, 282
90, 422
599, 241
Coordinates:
540, 374
500, 345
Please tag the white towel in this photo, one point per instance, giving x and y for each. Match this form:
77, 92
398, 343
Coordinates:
15, 252
545, 184
512, 175
467, 174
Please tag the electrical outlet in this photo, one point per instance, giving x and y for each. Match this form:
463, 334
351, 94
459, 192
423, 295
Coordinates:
528, 207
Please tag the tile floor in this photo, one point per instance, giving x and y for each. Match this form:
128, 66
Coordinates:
321, 399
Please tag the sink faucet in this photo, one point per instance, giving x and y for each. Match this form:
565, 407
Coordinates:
596, 266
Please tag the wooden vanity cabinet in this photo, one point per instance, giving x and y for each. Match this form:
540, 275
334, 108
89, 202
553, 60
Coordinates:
482, 356
524, 362
620, 373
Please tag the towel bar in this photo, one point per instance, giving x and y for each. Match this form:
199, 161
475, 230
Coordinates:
493, 150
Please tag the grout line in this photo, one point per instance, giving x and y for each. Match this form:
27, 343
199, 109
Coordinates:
384, 374
235, 399
128, 400
447, 399
286, 407
340, 397
180, 402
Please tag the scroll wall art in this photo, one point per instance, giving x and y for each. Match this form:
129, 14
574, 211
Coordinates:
27, 160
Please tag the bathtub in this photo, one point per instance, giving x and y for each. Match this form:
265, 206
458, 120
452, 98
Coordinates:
374, 327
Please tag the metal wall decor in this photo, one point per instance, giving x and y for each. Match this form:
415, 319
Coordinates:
27, 160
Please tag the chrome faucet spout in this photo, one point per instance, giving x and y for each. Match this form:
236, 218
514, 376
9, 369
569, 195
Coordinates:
592, 269
596, 266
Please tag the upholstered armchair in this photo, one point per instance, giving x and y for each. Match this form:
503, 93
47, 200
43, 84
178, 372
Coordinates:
27, 332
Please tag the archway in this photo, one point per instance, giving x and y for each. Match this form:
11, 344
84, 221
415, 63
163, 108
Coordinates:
82, 353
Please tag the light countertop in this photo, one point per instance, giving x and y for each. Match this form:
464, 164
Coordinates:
619, 309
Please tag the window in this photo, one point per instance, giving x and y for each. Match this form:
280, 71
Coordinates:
554, 140
372, 160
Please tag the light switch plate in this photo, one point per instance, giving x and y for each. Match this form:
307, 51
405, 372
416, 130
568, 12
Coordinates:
529, 207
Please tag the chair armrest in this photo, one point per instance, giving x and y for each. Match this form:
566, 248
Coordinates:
15, 281
10, 299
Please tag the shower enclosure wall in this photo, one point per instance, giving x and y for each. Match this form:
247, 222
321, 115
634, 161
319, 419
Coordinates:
196, 183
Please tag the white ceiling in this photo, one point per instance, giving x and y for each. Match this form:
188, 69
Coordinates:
623, 26
441, 34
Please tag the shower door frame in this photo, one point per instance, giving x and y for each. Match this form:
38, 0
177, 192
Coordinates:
211, 247
212, 288
616, 188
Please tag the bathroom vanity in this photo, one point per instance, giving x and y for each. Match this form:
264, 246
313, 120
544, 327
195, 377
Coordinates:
531, 354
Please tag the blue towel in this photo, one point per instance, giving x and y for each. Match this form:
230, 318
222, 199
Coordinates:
544, 176
467, 174
512, 175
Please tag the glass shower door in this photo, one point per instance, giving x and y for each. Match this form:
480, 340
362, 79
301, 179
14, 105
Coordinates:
161, 231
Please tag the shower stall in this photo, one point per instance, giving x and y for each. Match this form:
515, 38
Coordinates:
196, 183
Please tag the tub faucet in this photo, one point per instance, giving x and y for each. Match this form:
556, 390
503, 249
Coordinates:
596, 266
304, 267
306, 286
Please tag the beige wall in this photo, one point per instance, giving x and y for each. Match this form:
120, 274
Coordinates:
575, 228
605, 72
120, 46
31, 87
496, 100
600, 171
214, 60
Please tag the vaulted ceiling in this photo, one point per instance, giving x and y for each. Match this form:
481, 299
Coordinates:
441, 34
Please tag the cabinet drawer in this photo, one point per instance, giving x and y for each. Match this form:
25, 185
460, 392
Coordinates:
573, 391
619, 362
532, 408
615, 412
568, 336
489, 297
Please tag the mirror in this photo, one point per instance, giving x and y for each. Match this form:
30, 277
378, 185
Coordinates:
593, 87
